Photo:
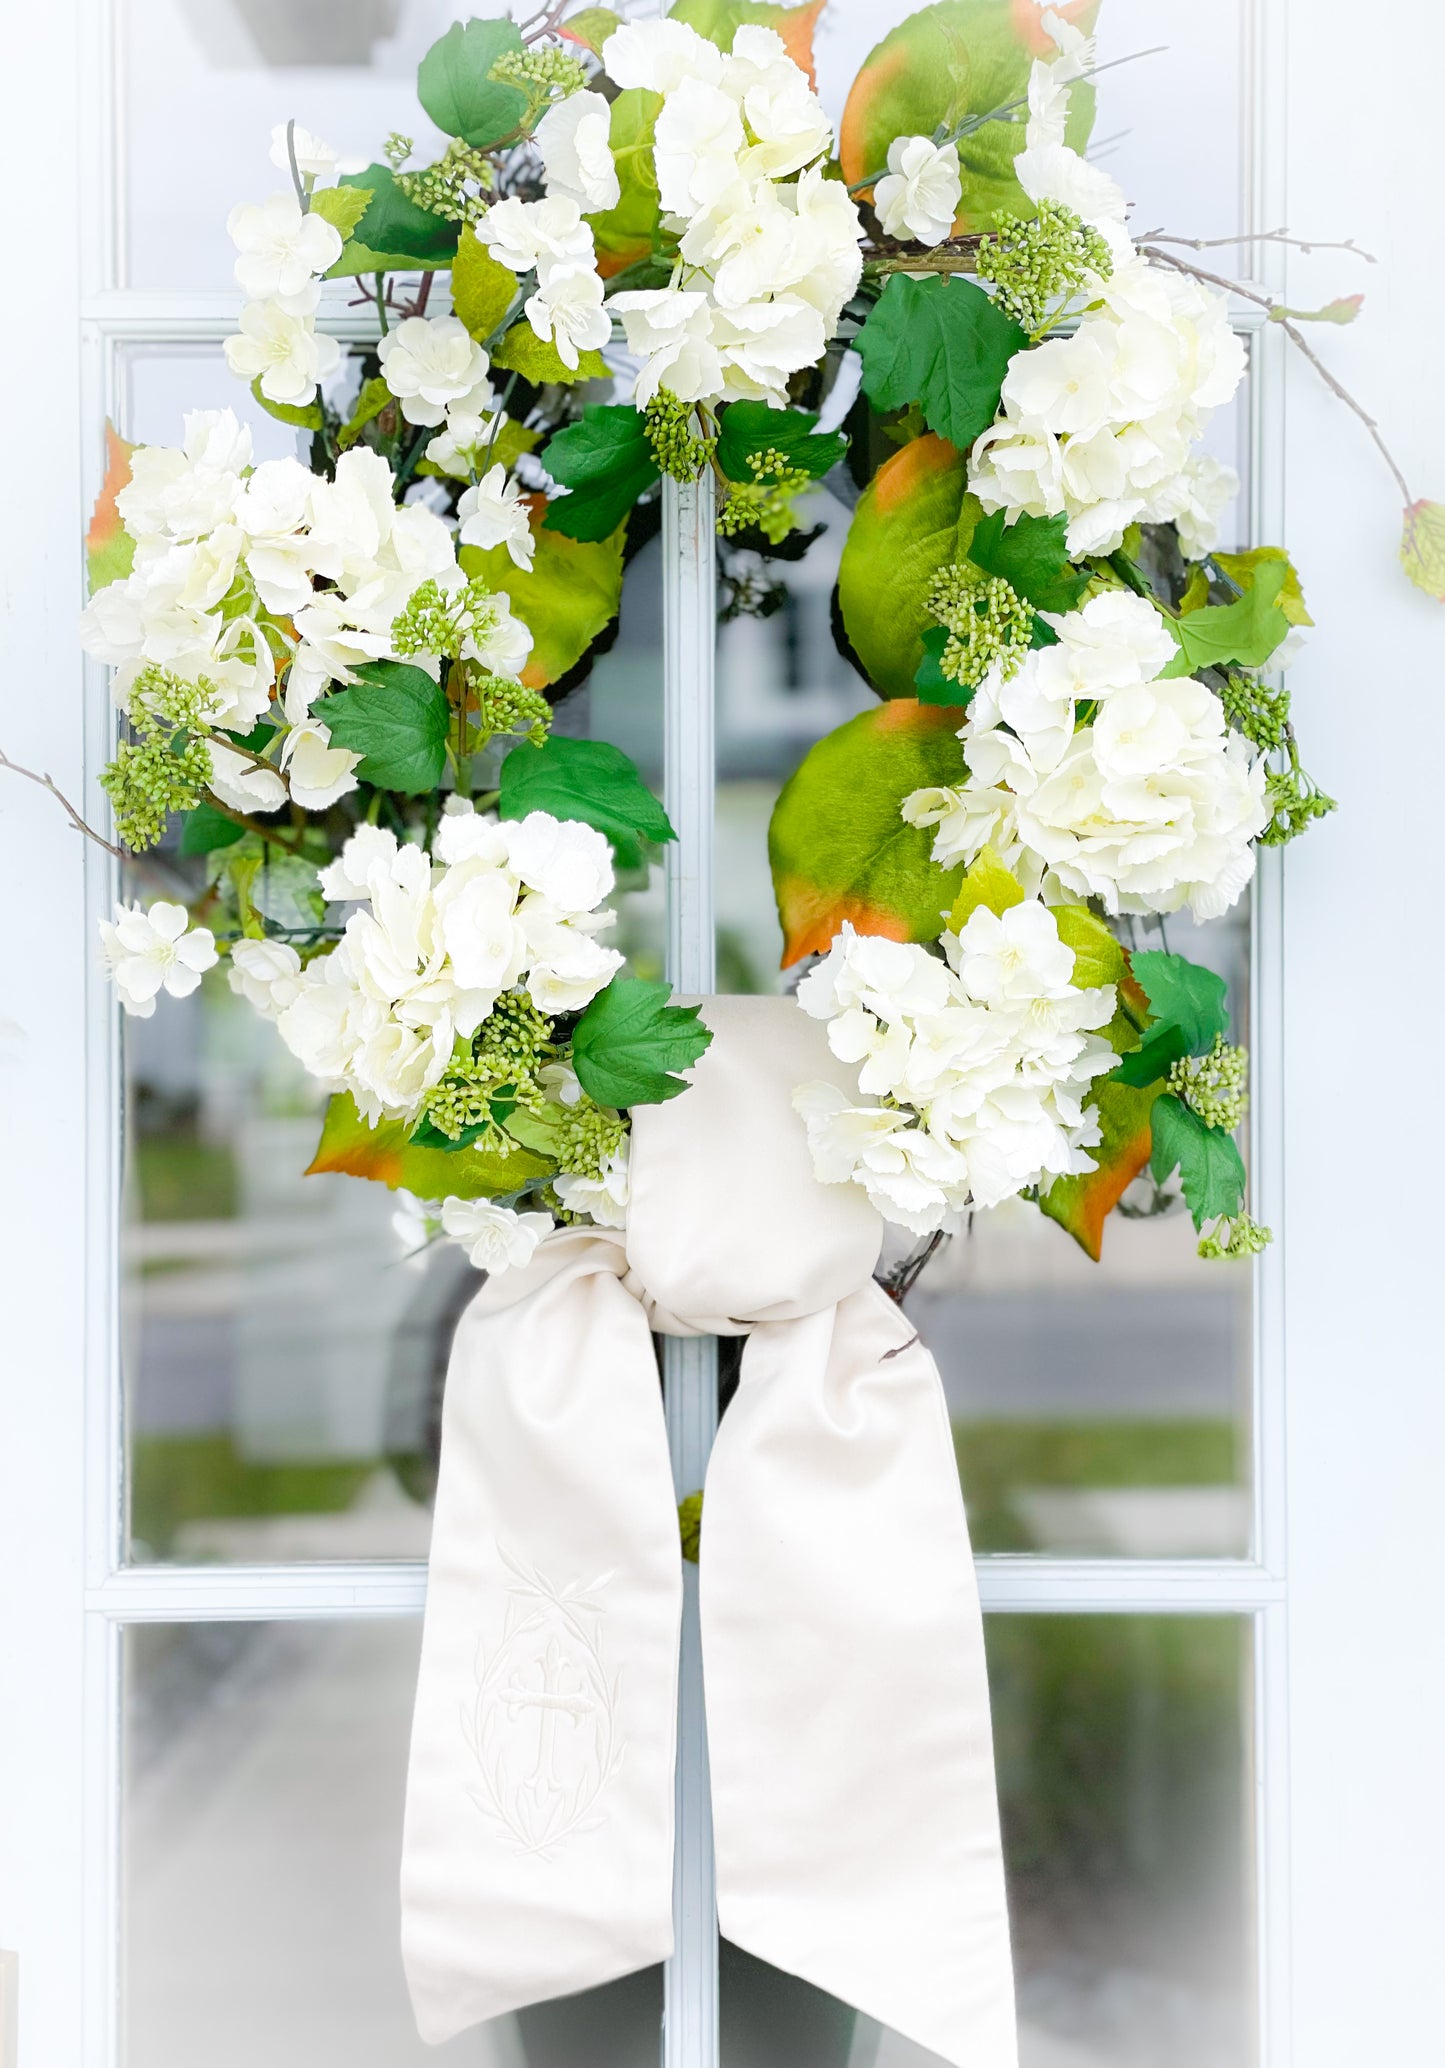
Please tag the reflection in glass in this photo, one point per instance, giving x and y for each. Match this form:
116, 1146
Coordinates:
1124, 1783
265, 1772
283, 1360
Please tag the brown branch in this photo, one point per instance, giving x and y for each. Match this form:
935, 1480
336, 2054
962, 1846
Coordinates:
956, 255
1279, 236
48, 783
1297, 338
272, 834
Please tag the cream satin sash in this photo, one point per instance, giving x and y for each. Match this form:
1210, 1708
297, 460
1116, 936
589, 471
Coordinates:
847, 1707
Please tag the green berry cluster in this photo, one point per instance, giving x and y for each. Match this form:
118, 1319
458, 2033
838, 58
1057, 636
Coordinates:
508, 706
1255, 709
1294, 801
1215, 1086
765, 503
165, 767
1238, 1236
540, 73
503, 1060
457, 187
1033, 259
676, 445
587, 1137
397, 149
987, 621
441, 621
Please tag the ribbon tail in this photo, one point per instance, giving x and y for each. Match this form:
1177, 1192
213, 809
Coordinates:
854, 1798
537, 1853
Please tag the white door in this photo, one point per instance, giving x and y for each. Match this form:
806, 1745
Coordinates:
1205, 1504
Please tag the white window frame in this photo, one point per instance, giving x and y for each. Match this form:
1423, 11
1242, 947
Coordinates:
1347, 1687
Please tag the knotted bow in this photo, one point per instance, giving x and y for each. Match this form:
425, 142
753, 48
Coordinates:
854, 1806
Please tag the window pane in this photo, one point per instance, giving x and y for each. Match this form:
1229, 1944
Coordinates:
1124, 1779
282, 1359
265, 1771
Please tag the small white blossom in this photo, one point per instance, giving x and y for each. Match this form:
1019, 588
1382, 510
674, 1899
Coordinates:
567, 311
152, 950
572, 137
660, 55
496, 1238
526, 235
318, 774
492, 513
266, 974
919, 195
237, 781
282, 250
605, 1197
283, 351
429, 363
568, 862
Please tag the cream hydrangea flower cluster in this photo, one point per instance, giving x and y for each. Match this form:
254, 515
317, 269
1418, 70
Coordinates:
1099, 426
768, 251
245, 577
973, 1072
435, 941
284, 249
1148, 803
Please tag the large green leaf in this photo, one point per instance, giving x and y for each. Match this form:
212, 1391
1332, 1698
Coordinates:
748, 428
372, 398
944, 344
384, 1153
394, 235
914, 517
1031, 556
720, 20
960, 58
1083, 1204
630, 1041
109, 547
483, 289
839, 846
204, 830
396, 719
1187, 1006
537, 359
1246, 631
454, 82
607, 463
627, 232
589, 780
1243, 568
568, 597
1210, 1166
341, 206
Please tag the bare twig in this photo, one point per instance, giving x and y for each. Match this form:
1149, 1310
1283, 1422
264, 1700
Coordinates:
1297, 338
1279, 236
48, 783
899, 1282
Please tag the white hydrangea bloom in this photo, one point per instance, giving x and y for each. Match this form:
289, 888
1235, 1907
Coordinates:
919, 195
185, 491
660, 55
525, 235
280, 348
282, 250
154, 949
496, 1238
572, 137
429, 363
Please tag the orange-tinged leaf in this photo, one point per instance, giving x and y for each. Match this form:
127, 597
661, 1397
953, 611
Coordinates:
109, 547
591, 28
1422, 547
1083, 1204
568, 596
383, 1154
839, 846
914, 517
720, 20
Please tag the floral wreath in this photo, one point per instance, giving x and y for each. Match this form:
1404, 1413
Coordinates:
338, 675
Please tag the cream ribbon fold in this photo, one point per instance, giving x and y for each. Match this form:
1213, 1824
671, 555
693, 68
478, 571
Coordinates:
854, 1803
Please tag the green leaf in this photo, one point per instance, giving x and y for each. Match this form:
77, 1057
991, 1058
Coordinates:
1100, 959
1422, 547
1031, 556
370, 402
720, 20
839, 847
537, 359
1243, 568
342, 207
930, 683
308, 418
591, 27
1210, 1166
569, 595
986, 883
607, 463
483, 289
914, 517
384, 1154
1246, 631
1187, 1004
630, 1041
944, 344
454, 83
394, 235
1343, 309
941, 65
589, 780
753, 427
204, 829
109, 547
625, 234
396, 719
1083, 1204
